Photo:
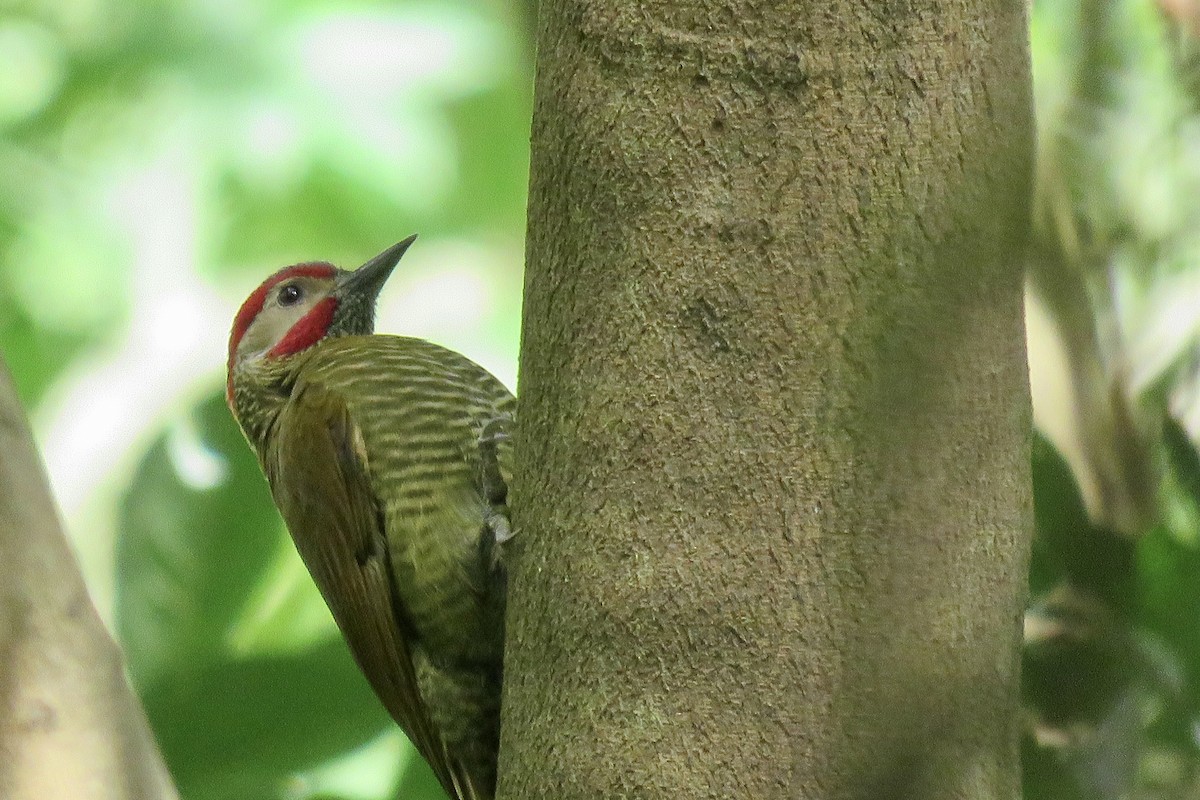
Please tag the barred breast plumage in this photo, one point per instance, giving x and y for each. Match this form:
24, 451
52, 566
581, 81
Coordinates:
388, 458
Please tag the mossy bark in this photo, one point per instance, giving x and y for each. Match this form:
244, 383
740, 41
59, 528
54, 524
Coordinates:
772, 497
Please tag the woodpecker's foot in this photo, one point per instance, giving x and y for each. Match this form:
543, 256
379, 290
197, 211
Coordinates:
491, 477
497, 523
494, 431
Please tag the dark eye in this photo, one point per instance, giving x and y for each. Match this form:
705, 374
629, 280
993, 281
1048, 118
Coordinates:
290, 294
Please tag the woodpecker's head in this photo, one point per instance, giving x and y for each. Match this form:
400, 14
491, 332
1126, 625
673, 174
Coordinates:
302, 304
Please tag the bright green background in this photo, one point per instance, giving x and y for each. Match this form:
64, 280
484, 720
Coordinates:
159, 158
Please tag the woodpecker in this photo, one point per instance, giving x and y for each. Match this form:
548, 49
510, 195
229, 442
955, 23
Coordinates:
388, 458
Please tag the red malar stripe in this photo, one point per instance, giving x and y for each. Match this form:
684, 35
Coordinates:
254, 304
307, 331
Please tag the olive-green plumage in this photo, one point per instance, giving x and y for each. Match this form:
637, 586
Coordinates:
388, 458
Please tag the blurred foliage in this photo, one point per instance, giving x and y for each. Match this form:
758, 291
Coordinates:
161, 157
1112, 657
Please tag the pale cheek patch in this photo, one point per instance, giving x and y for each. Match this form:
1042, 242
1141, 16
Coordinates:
248, 314
309, 330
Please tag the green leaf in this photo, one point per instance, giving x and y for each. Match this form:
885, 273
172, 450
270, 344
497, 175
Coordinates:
419, 782
1057, 503
266, 716
1179, 493
1068, 545
197, 530
285, 613
1169, 578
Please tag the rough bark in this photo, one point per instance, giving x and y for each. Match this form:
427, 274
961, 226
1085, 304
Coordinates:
772, 498
70, 726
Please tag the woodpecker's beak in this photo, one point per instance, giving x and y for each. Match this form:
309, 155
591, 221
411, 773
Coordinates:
368, 279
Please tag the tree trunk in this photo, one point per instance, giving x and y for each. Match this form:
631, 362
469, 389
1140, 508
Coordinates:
772, 500
70, 725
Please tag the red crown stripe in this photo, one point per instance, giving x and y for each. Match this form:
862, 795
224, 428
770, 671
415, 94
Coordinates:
254, 304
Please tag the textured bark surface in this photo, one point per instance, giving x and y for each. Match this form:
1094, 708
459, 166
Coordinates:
772, 500
70, 726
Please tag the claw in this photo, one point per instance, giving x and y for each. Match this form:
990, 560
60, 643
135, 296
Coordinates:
501, 530
491, 479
